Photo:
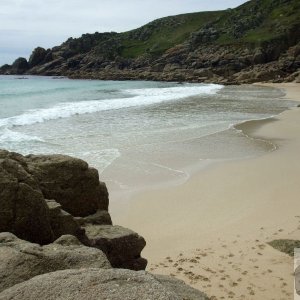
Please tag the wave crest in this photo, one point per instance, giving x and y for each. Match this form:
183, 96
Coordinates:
139, 97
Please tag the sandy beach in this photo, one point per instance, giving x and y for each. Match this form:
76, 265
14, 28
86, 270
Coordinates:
213, 230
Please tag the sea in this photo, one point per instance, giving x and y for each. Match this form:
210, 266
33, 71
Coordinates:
136, 133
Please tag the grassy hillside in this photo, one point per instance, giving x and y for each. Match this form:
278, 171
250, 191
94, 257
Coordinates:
214, 46
254, 22
162, 34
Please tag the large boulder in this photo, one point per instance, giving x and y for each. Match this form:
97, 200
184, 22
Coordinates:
23, 209
122, 246
45, 197
70, 182
95, 284
26, 184
21, 260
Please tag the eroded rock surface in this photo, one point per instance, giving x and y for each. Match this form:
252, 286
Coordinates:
21, 260
71, 182
43, 197
122, 246
23, 210
95, 284
41, 194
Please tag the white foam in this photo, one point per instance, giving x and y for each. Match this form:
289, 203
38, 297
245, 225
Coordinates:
8, 135
139, 97
101, 159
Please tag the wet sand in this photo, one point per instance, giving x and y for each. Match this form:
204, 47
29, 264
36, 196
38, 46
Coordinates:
212, 231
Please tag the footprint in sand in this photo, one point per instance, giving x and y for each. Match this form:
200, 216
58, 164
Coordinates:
253, 260
233, 284
209, 270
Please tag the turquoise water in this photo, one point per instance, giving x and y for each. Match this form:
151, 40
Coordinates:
132, 132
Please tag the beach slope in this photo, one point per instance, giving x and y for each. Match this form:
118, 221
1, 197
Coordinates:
213, 231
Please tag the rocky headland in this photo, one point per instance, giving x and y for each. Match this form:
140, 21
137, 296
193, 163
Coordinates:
57, 240
257, 41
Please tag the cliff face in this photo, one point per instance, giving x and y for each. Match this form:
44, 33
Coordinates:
259, 40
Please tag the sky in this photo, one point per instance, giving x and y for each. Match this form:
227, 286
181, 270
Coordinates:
26, 24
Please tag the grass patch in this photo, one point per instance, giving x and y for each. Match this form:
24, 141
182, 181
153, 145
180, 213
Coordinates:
165, 33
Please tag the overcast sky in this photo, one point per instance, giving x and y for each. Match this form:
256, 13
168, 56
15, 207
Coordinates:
26, 24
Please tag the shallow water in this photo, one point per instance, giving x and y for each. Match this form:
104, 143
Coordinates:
133, 132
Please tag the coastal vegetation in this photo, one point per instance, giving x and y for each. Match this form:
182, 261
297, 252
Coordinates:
257, 41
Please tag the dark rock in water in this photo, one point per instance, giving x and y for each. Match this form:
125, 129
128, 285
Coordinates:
38, 56
20, 66
71, 182
21, 260
122, 246
95, 284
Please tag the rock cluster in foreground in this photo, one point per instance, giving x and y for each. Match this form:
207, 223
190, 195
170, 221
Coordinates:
57, 240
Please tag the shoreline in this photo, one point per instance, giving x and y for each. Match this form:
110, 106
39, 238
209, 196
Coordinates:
122, 197
212, 231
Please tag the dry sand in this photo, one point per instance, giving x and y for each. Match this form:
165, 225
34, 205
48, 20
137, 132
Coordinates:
212, 231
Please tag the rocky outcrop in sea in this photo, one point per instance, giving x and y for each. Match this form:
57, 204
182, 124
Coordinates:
57, 239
